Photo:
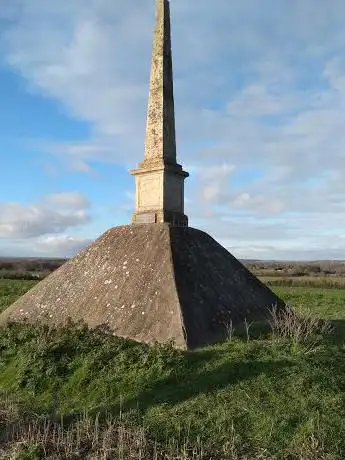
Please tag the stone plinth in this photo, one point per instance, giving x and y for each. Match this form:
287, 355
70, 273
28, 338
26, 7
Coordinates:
160, 194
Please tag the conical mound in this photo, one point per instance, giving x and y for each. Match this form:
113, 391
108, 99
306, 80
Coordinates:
150, 282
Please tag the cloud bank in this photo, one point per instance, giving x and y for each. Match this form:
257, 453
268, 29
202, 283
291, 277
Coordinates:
260, 99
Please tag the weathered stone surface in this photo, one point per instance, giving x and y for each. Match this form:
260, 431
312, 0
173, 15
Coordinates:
151, 282
160, 127
159, 179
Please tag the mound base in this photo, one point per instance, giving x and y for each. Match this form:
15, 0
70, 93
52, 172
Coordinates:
150, 282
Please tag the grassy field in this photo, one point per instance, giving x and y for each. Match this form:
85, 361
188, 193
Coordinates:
325, 282
10, 290
266, 393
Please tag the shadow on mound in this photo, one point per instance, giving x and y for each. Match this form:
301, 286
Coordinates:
198, 377
175, 390
337, 337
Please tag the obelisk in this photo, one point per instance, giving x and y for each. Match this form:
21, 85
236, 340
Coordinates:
159, 178
156, 282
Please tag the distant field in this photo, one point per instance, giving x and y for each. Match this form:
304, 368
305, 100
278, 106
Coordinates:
318, 271
305, 281
325, 303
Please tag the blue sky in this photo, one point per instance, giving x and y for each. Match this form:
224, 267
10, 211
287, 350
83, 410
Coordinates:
260, 99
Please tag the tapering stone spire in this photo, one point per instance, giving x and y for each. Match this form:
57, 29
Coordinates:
160, 130
159, 179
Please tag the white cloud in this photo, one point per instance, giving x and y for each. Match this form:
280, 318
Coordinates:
258, 203
211, 193
213, 180
74, 200
210, 172
335, 73
19, 221
60, 246
258, 100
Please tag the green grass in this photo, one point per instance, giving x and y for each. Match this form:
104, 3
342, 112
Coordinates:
10, 290
267, 396
325, 303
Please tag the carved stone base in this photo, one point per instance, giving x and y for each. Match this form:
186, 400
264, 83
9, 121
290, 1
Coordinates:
175, 219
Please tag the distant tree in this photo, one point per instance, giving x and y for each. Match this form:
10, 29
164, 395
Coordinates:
314, 269
6, 266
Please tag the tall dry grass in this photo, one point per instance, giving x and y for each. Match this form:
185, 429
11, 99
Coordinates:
89, 439
24, 437
301, 329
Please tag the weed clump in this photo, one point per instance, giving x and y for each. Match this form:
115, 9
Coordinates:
302, 330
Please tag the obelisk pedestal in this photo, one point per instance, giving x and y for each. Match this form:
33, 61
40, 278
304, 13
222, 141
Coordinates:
159, 178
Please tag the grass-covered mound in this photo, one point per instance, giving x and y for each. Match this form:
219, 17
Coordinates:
276, 392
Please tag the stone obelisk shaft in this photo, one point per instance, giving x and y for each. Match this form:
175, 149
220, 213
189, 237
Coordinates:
160, 128
159, 179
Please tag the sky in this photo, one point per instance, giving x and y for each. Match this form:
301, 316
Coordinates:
260, 122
